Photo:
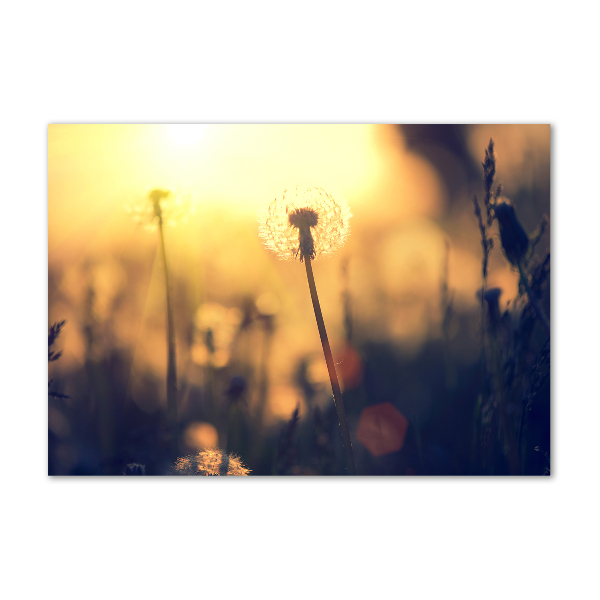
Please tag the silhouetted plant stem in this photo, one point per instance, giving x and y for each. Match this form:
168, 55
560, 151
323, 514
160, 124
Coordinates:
263, 384
520, 437
211, 390
532, 299
337, 392
505, 421
171, 357
223, 429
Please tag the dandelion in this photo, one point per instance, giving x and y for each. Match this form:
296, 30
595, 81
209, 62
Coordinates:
163, 207
303, 226
208, 462
308, 222
160, 207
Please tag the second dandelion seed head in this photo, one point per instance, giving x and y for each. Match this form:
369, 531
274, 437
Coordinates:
155, 196
305, 223
160, 207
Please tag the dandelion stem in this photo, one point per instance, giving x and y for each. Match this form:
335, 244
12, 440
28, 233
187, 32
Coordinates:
538, 310
171, 357
337, 392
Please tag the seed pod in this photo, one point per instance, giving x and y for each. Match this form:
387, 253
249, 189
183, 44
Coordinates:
492, 297
303, 219
514, 239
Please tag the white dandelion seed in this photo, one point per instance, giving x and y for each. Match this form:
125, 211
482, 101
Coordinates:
208, 462
306, 221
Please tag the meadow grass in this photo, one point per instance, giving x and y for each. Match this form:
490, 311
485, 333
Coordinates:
487, 418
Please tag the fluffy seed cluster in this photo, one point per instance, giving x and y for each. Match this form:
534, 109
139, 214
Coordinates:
305, 222
172, 207
208, 462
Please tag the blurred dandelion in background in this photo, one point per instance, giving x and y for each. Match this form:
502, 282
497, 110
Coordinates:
165, 207
160, 205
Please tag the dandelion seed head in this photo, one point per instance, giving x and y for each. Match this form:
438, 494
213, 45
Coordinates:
208, 462
168, 205
302, 218
305, 221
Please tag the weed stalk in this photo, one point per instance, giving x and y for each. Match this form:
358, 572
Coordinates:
538, 311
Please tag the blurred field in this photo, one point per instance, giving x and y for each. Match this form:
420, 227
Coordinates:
428, 381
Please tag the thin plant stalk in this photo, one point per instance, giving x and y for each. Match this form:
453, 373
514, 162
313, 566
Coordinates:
211, 392
337, 392
513, 452
223, 432
171, 356
263, 384
538, 310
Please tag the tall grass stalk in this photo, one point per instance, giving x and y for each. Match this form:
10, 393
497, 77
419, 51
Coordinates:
505, 419
538, 311
268, 331
516, 246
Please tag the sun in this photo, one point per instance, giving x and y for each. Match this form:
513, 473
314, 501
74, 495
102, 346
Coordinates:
186, 134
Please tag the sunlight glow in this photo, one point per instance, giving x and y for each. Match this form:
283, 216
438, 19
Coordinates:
186, 134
